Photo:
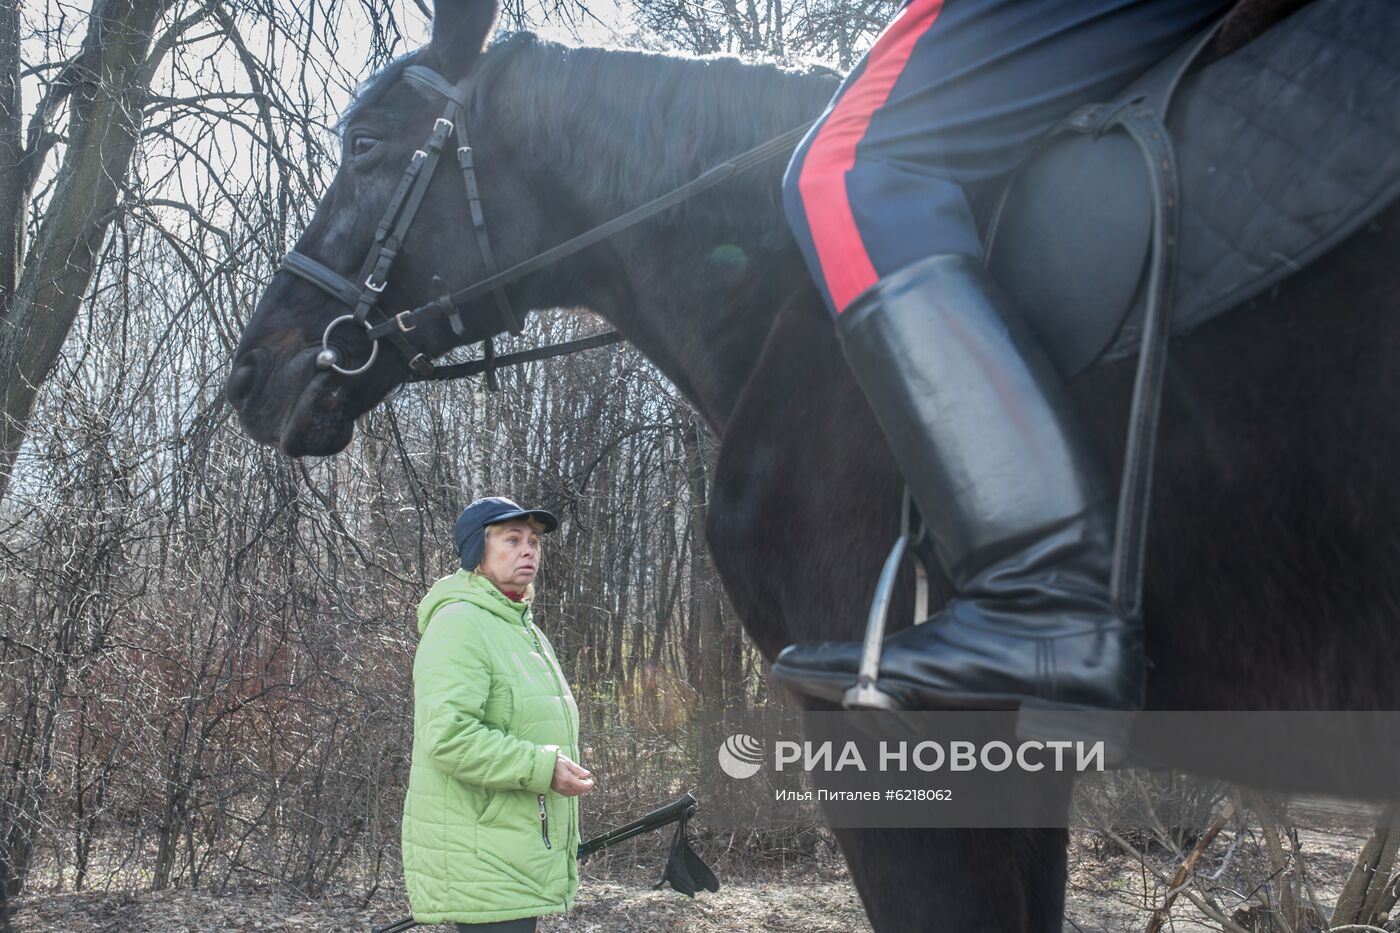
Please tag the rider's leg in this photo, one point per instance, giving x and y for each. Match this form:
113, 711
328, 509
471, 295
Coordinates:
1020, 515
950, 97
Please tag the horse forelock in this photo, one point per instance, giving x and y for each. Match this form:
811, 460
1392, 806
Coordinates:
374, 88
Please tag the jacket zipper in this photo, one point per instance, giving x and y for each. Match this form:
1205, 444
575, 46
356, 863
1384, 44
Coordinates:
544, 815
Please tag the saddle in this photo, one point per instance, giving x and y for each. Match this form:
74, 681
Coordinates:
1281, 150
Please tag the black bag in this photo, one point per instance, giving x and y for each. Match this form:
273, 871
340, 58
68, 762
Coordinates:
685, 870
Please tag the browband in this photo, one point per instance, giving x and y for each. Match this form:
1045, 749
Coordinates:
426, 77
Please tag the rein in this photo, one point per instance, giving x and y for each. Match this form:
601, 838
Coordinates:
398, 218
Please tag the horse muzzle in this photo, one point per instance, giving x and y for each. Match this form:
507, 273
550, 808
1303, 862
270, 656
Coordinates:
290, 404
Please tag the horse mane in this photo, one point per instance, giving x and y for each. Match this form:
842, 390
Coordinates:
632, 125
653, 121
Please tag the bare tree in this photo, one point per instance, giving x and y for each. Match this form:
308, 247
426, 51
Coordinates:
102, 89
832, 32
204, 647
154, 109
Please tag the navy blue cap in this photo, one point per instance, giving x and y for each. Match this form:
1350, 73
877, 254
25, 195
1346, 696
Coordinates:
469, 533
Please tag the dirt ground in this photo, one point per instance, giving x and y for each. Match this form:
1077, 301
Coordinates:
1108, 893
821, 901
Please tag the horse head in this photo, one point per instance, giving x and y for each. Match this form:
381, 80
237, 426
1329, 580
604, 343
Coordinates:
280, 384
563, 140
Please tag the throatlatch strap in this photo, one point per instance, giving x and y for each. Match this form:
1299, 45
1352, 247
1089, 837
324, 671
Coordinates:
457, 96
467, 164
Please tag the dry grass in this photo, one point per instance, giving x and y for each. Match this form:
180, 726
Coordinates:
1108, 893
802, 905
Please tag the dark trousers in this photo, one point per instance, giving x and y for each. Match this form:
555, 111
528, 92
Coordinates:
950, 98
523, 925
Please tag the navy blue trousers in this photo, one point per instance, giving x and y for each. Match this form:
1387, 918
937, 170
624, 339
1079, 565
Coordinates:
948, 100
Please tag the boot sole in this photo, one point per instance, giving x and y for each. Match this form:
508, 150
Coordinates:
1036, 720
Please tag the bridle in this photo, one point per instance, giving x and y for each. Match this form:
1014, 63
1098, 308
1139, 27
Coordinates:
363, 299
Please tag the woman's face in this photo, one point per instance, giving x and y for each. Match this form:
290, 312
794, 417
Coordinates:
512, 556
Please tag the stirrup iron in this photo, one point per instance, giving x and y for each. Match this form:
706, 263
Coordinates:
866, 694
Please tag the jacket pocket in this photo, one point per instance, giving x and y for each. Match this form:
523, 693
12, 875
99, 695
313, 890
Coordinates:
516, 812
496, 801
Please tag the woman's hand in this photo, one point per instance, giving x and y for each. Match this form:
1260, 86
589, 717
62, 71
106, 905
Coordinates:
570, 779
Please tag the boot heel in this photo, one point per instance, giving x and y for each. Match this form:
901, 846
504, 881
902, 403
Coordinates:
1065, 724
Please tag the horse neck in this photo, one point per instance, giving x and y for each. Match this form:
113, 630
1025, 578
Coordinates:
697, 288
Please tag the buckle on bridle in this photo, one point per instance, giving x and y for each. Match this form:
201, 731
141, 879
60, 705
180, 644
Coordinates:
378, 290
404, 328
437, 124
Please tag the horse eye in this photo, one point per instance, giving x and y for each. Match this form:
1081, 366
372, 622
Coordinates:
362, 144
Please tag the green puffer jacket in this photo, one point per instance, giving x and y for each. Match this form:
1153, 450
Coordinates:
484, 837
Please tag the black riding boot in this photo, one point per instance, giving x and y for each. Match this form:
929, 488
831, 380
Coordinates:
1020, 517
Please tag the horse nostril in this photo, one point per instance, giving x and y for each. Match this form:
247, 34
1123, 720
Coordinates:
249, 373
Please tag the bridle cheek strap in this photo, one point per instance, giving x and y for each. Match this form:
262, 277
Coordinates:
389, 237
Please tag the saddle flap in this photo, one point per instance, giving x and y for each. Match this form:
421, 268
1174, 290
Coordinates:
1283, 148
1071, 243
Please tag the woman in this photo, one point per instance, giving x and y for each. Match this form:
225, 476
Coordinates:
490, 828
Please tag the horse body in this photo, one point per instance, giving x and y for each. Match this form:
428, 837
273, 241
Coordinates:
1271, 581
1273, 555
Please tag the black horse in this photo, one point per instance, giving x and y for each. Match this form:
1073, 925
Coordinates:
1274, 575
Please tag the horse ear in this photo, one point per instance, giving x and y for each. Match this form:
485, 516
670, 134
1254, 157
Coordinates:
460, 28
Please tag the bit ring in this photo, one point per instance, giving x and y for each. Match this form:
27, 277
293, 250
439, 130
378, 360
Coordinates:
328, 356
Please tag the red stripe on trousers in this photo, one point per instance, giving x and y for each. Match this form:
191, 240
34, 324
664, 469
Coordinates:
845, 263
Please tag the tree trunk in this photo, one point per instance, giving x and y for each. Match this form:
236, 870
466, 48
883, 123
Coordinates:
13, 192
111, 79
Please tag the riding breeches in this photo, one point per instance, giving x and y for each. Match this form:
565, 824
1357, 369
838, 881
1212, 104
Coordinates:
949, 99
